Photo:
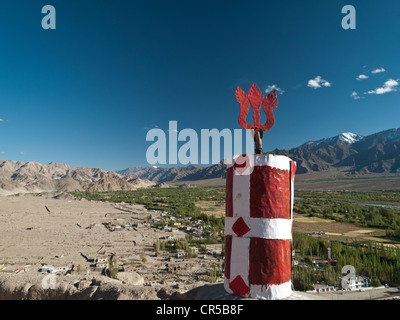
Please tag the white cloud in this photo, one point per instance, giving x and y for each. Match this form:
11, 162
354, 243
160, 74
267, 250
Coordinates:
362, 77
317, 83
389, 86
355, 95
1, 120
21, 152
274, 87
379, 70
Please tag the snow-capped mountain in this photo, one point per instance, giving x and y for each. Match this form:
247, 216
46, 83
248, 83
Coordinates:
349, 137
343, 138
376, 153
347, 152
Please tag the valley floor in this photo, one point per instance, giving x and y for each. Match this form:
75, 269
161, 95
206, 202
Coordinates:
39, 231
75, 233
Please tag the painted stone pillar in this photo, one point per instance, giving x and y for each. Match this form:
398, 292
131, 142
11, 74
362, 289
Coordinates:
258, 226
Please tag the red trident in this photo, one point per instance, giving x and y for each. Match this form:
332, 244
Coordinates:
255, 97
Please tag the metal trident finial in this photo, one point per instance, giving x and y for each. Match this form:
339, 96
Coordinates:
256, 98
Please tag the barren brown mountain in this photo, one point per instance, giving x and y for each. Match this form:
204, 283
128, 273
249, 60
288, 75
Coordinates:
22, 177
345, 155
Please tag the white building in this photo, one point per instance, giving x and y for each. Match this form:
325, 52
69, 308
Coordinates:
355, 283
51, 269
181, 254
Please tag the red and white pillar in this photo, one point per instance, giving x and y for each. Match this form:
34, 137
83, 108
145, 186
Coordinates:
258, 226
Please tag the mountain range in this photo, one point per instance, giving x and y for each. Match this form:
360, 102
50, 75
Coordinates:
347, 154
22, 177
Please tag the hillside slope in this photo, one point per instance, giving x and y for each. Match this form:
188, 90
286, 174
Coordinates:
347, 154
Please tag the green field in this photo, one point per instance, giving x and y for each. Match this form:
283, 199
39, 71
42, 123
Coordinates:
344, 206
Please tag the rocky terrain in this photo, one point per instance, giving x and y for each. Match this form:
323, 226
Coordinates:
345, 155
105, 251
81, 238
351, 154
176, 174
23, 177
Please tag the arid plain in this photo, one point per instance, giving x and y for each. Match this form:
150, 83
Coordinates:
40, 230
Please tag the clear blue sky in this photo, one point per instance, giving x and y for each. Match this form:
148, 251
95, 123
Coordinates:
87, 93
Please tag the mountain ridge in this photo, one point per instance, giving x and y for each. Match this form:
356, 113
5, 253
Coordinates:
347, 154
31, 176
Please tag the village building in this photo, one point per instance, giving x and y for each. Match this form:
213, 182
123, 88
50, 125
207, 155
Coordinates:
181, 254
357, 283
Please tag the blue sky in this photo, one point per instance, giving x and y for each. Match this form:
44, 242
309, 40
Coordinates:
87, 93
